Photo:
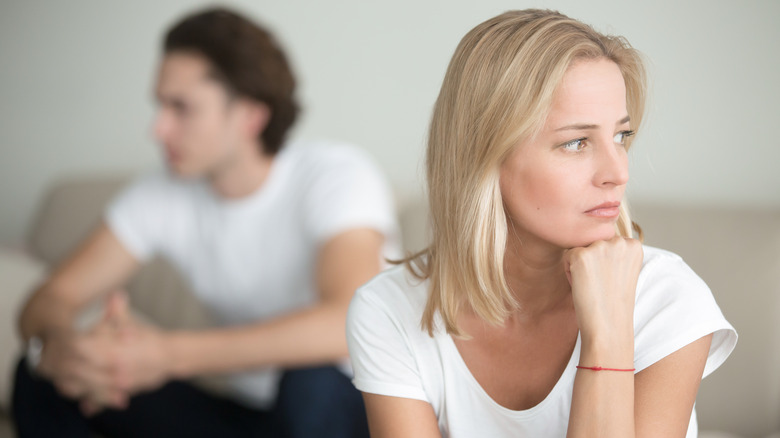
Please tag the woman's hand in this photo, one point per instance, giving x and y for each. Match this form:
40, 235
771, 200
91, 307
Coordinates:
603, 279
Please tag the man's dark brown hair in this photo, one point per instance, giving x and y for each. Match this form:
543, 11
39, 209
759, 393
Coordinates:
246, 59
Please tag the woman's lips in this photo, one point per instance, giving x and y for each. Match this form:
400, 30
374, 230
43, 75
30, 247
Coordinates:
605, 210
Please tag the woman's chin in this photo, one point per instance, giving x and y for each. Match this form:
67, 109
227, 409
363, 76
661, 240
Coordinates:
590, 239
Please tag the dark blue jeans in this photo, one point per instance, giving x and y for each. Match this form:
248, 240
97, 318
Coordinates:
312, 402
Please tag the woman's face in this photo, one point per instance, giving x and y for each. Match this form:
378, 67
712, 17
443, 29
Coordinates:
565, 185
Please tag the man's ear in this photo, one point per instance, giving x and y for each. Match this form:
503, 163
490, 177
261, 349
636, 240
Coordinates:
257, 116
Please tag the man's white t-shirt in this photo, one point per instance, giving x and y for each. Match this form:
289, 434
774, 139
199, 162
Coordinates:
253, 258
391, 355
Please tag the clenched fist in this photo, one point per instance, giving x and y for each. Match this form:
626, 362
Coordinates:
603, 279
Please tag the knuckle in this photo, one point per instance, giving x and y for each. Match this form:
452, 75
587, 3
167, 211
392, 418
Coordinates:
120, 383
576, 256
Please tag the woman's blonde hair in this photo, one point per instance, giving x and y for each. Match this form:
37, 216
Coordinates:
497, 91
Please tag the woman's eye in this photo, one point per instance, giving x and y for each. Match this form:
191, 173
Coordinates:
574, 145
620, 137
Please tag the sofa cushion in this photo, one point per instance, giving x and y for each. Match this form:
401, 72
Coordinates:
67, 213
737, 253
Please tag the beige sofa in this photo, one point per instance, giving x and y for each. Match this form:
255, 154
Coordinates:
737, 251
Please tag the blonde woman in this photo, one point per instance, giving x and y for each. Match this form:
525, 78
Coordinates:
534, 313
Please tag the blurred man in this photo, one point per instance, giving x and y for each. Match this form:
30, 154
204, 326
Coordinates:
273, 237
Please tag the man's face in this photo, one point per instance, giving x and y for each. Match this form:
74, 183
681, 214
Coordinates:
196, 124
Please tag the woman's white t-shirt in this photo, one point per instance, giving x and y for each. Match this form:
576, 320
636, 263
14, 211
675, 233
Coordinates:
391, 355
254, 258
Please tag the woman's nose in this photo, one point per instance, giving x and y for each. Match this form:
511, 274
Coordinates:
611, 167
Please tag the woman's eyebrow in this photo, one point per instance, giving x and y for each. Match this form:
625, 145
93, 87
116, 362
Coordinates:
584, 127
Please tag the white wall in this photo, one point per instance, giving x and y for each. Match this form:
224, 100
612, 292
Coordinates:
75, 81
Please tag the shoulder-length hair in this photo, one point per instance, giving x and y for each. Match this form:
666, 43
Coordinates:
498, 91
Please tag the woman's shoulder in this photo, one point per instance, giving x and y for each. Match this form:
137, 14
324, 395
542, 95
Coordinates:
662, 267
653, 255
395, 291
390, 353
666, 278
674, 307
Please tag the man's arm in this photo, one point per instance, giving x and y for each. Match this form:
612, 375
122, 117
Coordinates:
100, 265
314, 335
80, 364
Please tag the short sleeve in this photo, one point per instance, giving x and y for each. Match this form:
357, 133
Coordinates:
381, 356
674, 308
137, 215
346, 190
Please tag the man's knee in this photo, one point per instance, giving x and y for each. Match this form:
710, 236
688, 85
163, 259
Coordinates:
39, 410
322, 398
321, 382
29, 389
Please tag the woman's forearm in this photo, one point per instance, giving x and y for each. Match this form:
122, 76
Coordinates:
603, 401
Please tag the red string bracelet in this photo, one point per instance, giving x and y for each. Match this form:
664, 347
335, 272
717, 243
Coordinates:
605, 369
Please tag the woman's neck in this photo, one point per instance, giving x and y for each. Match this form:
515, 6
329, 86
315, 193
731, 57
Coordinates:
535, 273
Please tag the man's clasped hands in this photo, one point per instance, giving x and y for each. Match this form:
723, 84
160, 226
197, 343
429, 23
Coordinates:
102, 367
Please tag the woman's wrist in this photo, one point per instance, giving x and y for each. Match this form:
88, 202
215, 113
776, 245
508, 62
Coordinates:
614, 348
